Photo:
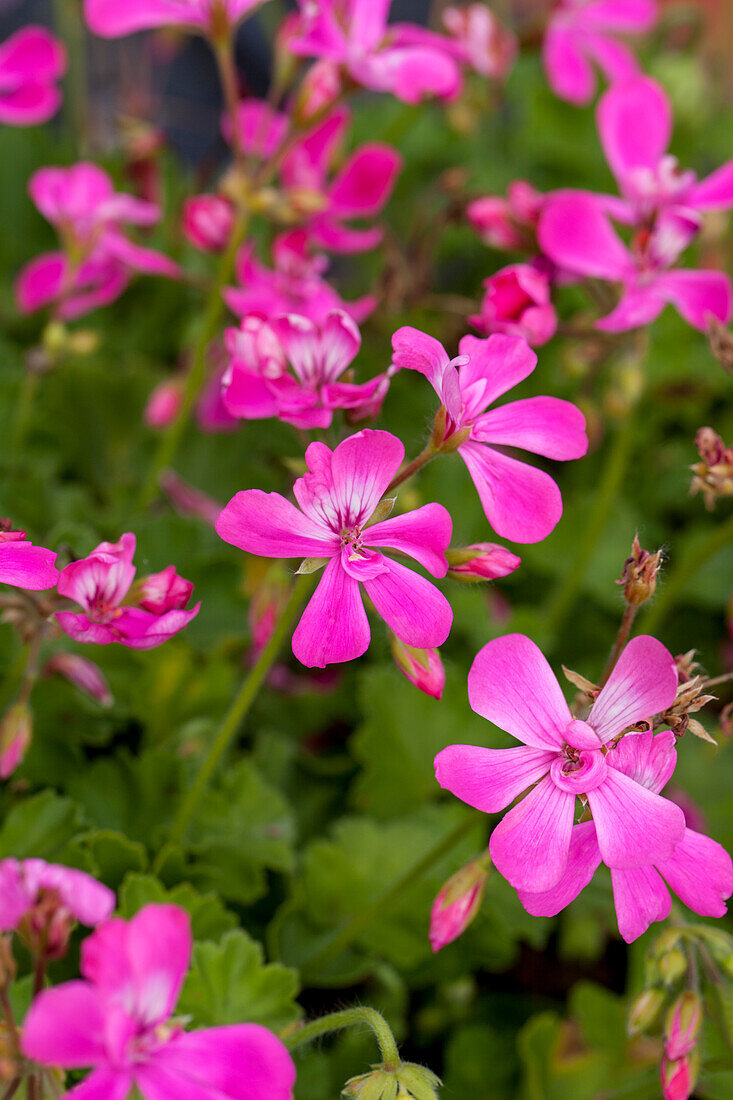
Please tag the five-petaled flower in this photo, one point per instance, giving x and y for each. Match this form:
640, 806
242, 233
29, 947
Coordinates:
32, 61
338, 497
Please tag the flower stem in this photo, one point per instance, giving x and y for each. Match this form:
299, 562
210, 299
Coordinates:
688, 566
239, 708
22, 416
358, 924
226, 64
621, 639
412, 467
361, 1014
11, 1089
171, 438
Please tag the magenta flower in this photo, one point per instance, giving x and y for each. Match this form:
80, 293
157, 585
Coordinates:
294, 285
517, 302
483, 43
699, 870
577, 234
521, 502
337, 498
82, 673
117, 1020
112, 19
207, 222
32, 61
164, 403
24, 883
635, 128
508, 223
355, 34
97, 260
257, 383
512, 685
261, 130
100, 583
583, 32
22, 564
422, 667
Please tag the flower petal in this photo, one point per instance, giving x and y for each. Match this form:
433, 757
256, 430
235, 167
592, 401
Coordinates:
634, 826
334, 625
65, 1027
362, 468
530, 845
715, 192
269, 525
643, 683
641, 898
700, 872
698, 295
577, 234
495, 365
364, 184
634, 124
111, 19
569, 73
415, 350
544, 425
415, 609
490, 779
583, 861
647, 758
512, 685
424, 534
27, 566
521, 503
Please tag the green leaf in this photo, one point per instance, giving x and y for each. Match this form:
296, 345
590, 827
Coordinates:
209, 918
39, 826
230, 983
114, 855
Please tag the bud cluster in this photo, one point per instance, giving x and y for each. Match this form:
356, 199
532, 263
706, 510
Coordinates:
714, 473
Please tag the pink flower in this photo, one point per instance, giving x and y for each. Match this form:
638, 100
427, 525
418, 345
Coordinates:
521, 502
576, 233
22, 564
32, 61
517, 302
100, 584
484, 44
294, 285
82, 673
16, 733
458, 903
678, 1078
215, 18
422, 667
257, 383
261, 129
319, 89
117, 1020
404, 60
163, 404
187, 501
512, 685
208, 221
337, 497
584, 31
481, 561
23, 885
698, 869
508, 223
635, 128
97, 260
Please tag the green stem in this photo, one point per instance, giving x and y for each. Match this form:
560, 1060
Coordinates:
239, 708
362, 1014
22, 417
15, 676
611, 479
71, 30
358, 924
224, 53
689, 564
621, 639
412, 467
171, 438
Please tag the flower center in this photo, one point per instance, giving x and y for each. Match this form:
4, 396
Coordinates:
578, 771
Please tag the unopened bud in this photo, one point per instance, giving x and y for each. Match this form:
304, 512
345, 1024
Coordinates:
320, 87
682, 1026
422, 667
163, 404
82, 673
458, 902
188, 501
644, 1010
207, 222
406, 1080
161, 592
679, 1077
672, 965
639, 578
16, 731
481, 561
714, 473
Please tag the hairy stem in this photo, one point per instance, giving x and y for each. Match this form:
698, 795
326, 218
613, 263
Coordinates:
358, 924
239, 708
349, 1017
621, 639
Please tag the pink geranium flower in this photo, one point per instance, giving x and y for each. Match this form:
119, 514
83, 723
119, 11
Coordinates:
112, 19
521, 502
583, 32
25, 883
699, 870
146, 617
98, 259
517, 302
508, 223
117, 1020
481, 40
337, 498
635, 128
512, 685
577, 234
207, 221
294, 285
258, 384
22, 564
32, 61
355, 34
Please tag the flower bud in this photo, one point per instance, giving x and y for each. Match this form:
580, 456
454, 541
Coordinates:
714, 473
639, 578
644, 1010
207, 222
406, 1080
320, 87
163, 404
679, 1077
672, 965
164, 591
458, 902
16, 731
683, 1024
82, 673
188, 501
517, 303
422, 667
481, 561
